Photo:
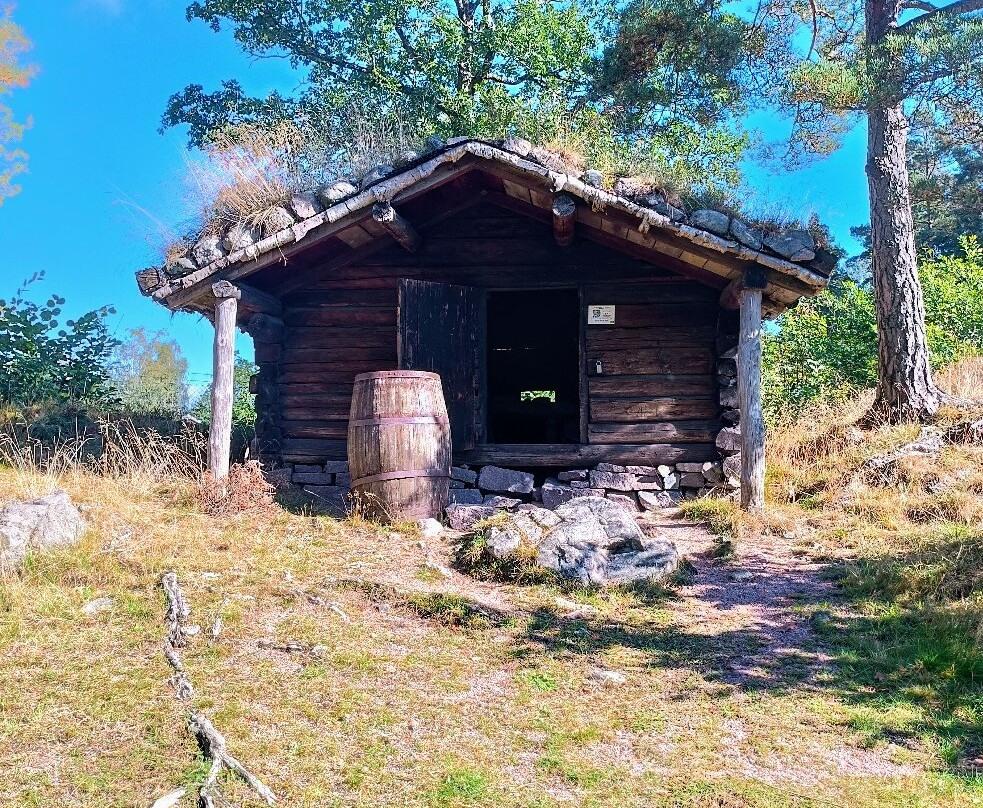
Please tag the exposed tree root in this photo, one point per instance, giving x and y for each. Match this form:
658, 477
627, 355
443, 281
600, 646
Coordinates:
212, 744
881, 413
210, 740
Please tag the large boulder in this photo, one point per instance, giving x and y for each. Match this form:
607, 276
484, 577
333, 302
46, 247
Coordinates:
621, 531
51, 521
521, 533
589, 539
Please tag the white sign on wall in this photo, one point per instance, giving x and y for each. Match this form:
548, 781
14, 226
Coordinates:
600, 315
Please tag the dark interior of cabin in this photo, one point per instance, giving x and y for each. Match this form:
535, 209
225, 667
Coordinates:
533, 366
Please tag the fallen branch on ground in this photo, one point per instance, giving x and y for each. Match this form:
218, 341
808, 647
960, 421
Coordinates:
210, 740
290, 647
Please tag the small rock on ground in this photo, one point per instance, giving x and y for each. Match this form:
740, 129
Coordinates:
430, 527
94, 607
608, 678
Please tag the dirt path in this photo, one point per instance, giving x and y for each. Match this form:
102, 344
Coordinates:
754, 596
760, 603
745, 623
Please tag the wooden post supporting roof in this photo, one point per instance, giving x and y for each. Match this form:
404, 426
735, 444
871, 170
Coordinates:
749, 392
223, 363
564, 216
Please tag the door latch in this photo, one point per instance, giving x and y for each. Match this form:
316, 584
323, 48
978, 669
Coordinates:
598, 369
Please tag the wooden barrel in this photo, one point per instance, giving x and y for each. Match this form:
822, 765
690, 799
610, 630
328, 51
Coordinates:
399, 445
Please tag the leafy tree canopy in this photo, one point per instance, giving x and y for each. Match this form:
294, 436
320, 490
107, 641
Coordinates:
149, 374
546, 70
826, 347
828, 61
14, 74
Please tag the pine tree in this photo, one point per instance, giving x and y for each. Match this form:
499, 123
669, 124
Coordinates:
882, 60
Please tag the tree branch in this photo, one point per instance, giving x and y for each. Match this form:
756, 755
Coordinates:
951, 10
917, 5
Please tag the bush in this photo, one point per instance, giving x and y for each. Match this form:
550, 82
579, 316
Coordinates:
42, 363
825, 349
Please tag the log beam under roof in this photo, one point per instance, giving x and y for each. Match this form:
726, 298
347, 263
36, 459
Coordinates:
564, 219
397, 226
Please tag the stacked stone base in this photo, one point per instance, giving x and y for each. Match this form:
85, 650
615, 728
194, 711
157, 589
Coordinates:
329, 482
636, 488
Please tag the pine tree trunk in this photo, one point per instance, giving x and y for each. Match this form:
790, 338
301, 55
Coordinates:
905, 389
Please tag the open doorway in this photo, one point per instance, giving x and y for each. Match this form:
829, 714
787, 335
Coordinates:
534, 367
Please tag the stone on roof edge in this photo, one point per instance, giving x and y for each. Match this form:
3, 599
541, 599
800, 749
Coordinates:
385, 188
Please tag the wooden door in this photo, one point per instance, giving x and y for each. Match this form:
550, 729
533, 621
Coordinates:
439, 331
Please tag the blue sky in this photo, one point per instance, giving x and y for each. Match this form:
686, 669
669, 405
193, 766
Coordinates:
102, 180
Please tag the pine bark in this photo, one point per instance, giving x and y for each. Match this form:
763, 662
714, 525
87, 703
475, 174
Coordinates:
905, 388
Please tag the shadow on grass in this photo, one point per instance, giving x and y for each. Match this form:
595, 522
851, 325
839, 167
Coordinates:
299, 502
909, 676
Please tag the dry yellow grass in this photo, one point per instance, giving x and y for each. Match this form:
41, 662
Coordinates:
436, 693
401, 709
964, 379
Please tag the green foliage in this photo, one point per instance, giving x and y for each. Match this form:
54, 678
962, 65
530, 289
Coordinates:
453, 68
953, 288
946, 175
826, 347
673, 61
825, 65
149, 374
13, 75
555, 72
41, 363
243, 405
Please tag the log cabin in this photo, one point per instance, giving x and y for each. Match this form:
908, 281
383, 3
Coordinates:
577, 326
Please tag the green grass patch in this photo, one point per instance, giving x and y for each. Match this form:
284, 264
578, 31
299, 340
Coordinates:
912, 677
539, 680
448, 609
459, 787
945, 563
721, 516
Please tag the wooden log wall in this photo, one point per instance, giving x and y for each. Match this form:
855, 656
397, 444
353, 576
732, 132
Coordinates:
655, 399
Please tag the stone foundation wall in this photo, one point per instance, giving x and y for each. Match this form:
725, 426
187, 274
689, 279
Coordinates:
636, 488
729, 438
